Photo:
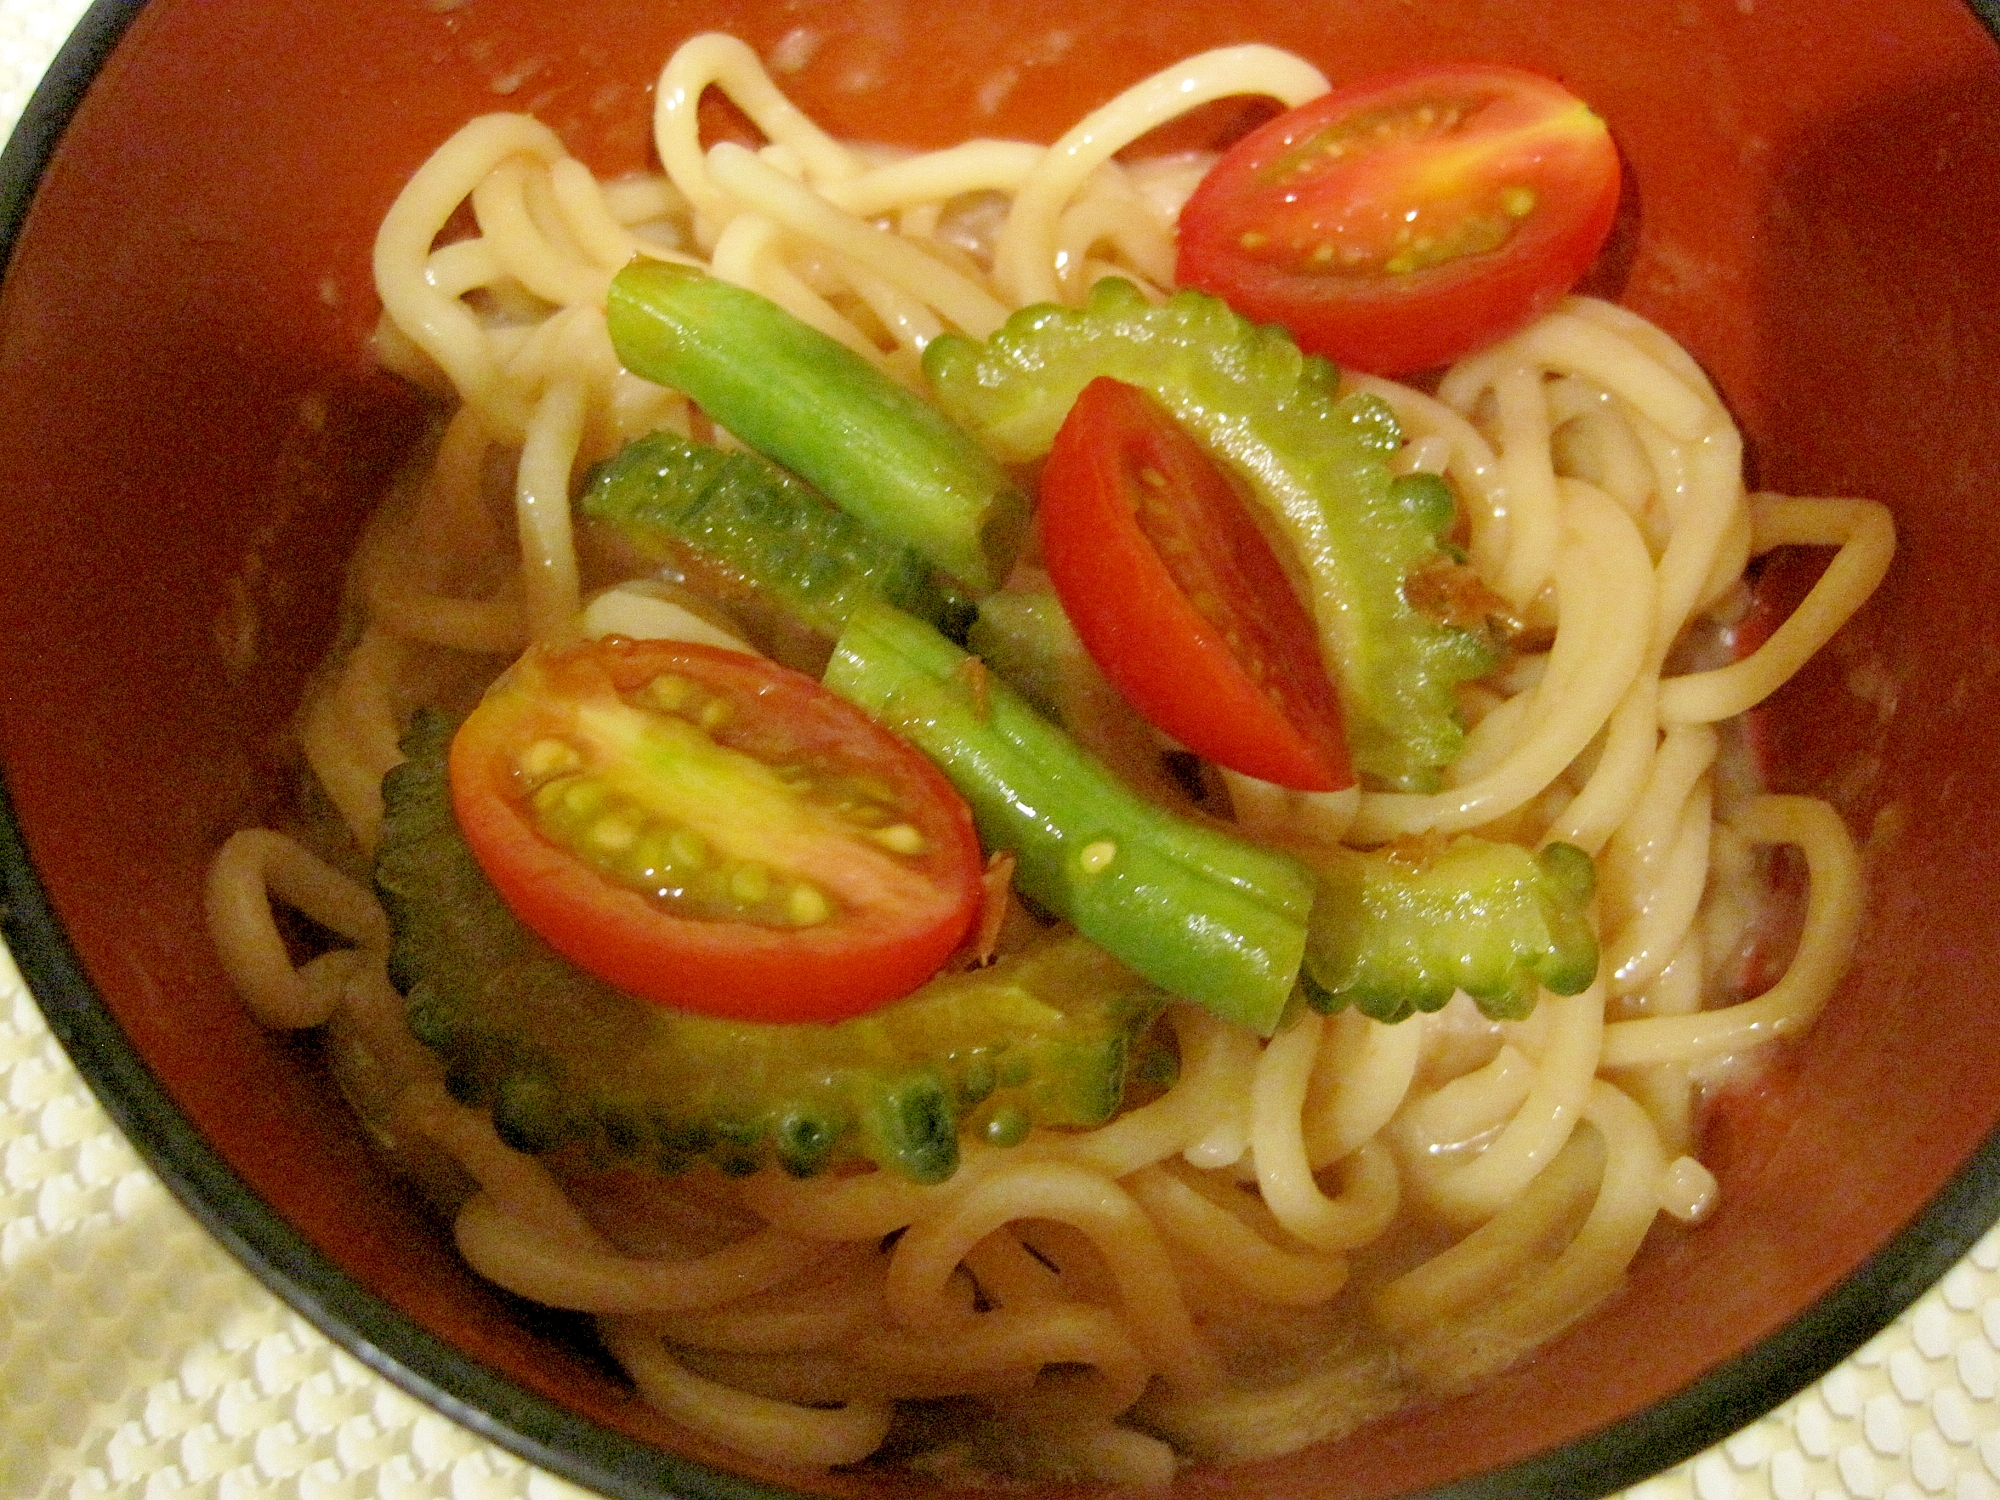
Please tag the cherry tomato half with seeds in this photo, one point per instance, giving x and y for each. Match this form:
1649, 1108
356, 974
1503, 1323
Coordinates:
1178, 596
1400, 223
706, 829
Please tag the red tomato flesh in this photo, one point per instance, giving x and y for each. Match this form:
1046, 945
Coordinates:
1177, 595
1400, 223
709, 830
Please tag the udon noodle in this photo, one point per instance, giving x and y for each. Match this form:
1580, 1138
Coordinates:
1295, 1237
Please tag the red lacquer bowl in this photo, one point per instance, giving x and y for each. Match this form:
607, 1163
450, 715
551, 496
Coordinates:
192, 430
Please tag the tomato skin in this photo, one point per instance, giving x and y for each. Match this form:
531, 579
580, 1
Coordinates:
1178, 596
895, 919
1516, 194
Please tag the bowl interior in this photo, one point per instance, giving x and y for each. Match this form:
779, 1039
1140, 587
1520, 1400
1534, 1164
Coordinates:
195, 431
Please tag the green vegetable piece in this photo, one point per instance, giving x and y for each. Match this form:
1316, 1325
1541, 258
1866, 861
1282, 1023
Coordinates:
805, 1140
767, 530
570, 1064
1425, 498
1200, 912
1006, 1127
815, 406
1312, 460
914, 1123
1027, 639
529, 1111
1395, 931
1024, 636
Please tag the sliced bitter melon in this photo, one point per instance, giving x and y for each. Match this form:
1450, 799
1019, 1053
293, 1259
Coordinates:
763, 531
1313, 460
1396, 930
1040, 1038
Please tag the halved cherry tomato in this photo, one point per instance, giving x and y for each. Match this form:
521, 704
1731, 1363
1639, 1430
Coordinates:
1178, 596
1402, 222
710, 830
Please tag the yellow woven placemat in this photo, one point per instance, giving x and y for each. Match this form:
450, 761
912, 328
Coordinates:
138, 1361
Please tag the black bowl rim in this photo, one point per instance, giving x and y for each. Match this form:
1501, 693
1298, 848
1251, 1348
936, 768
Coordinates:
554, 1438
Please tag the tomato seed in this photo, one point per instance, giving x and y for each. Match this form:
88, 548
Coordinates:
899, 838
806, 906
613, 835
669, 692
652, 859
581, 797
547, 758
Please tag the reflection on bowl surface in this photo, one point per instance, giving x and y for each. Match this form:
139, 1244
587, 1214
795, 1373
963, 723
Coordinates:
198, 429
